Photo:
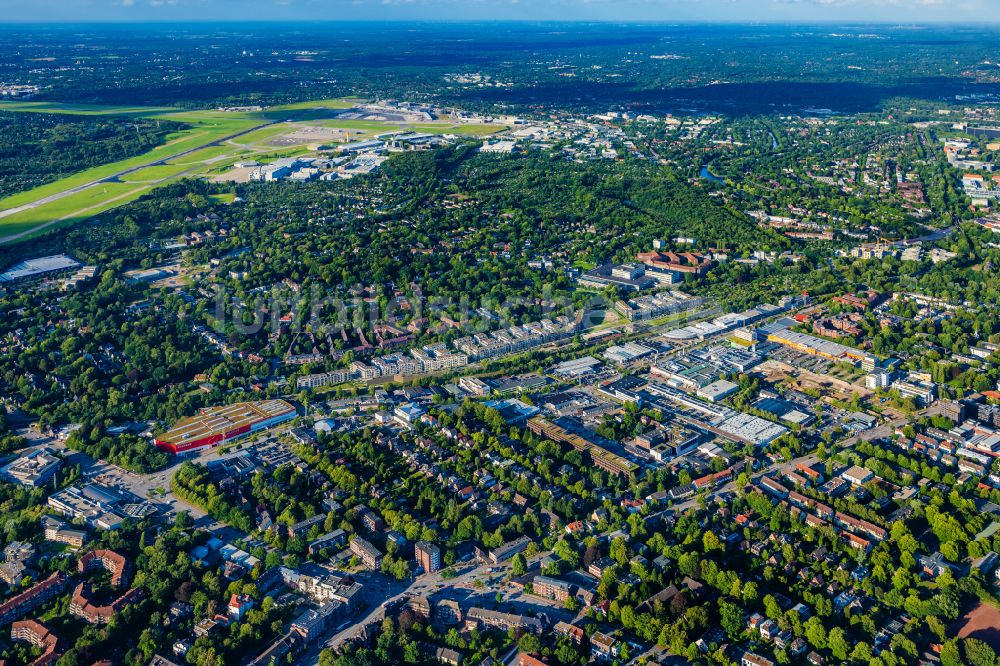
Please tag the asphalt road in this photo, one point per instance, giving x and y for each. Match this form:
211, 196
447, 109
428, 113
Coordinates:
380, 591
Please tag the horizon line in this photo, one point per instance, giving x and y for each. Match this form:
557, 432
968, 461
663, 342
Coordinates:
636, 22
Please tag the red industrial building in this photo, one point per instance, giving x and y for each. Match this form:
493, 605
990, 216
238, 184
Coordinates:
215, 425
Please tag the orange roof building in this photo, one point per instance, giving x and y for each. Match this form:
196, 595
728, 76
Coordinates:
117, 565
39, 635
81, 605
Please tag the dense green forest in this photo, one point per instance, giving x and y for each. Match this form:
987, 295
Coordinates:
650, 68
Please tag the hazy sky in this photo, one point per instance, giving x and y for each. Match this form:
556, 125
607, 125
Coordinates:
904, 11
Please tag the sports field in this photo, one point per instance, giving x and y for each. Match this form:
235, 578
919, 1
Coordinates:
981, 621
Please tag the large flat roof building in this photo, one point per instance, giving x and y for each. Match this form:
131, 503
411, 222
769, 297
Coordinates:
718, 390
626, 276
99, 505
657, 305
577, 367
215, 425
34, 268
34, 469
719, 419
809, 344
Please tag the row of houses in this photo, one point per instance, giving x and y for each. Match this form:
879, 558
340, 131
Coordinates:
515, 338
441, 358
818, 515
431, 358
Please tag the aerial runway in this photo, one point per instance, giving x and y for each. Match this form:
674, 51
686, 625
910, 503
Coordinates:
116, 176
